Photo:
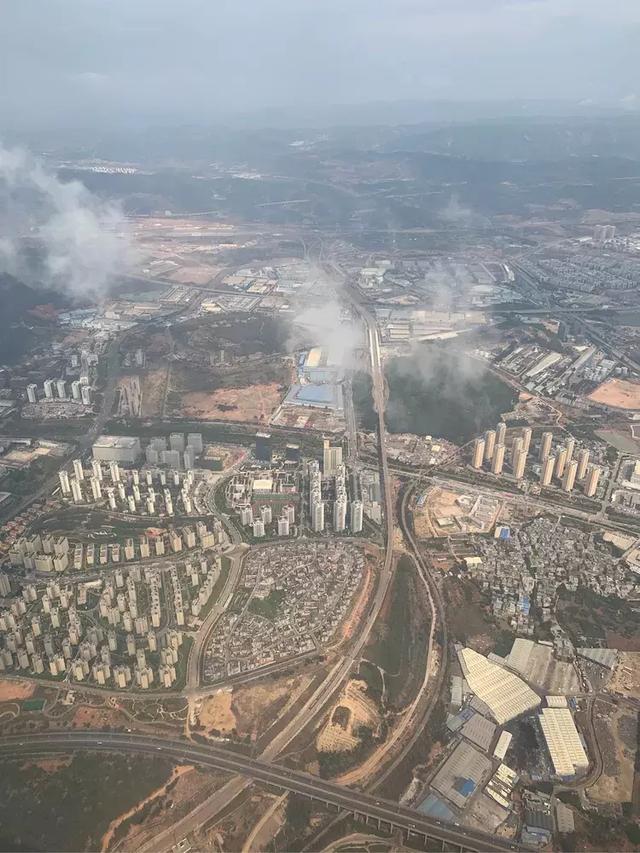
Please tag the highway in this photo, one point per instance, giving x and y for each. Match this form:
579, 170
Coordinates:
386, 814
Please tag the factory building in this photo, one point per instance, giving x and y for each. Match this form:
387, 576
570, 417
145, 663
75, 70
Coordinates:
563, 742
505, 695
117, 448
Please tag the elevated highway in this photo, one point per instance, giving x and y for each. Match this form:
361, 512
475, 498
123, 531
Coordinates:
384, 815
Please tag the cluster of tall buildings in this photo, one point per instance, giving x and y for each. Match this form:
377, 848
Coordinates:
46, 553
603, 233
491, 450
341, 504
260, 523
180, 451
127, 491
56, 389
565, 468
562, 466
42, 631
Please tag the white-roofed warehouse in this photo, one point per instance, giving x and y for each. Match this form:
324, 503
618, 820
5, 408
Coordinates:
506, 695
563, 741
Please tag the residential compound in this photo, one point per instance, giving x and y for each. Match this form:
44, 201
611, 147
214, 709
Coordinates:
291, 601
522, 571
119, 629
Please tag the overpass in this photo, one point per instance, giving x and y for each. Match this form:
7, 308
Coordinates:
384, 815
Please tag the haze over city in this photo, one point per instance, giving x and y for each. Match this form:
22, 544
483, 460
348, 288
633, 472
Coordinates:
319, 405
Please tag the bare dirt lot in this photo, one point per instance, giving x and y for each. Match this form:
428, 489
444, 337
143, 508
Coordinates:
154, 385
618, 393
15, 691
626, 676
616, 729
257, 707
194, 275
216, 714
255, 403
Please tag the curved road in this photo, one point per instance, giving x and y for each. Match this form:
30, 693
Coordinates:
388, 813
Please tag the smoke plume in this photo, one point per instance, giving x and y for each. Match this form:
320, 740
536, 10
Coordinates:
56, 234
325, 323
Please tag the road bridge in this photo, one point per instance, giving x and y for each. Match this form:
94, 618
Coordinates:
385, 815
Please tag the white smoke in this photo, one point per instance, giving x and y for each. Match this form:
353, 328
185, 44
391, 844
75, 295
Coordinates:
326, 323
57, 234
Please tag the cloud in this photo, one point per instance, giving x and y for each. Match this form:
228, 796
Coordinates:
57, 234
205, 61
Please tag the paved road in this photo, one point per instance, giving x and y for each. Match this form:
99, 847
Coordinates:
330, 686
196, 653
385, 811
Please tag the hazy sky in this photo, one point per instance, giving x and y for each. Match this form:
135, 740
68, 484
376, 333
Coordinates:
73, 62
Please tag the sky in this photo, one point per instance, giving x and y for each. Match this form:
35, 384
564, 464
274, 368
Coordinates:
78, 62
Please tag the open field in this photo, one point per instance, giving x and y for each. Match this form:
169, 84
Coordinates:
354, 710
617, 393
216, 714
591, 619
617, 732
15, 691
258, 707
468, 619
255, 403
71, 807
398, 641
625, 679
154, 385
451, 510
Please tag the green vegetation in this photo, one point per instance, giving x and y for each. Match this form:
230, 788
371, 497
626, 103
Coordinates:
400, 635
181, 666
268, 607
70, 808
441, 391
370, 673
362, 388
589, 617
334, 763
27, 480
